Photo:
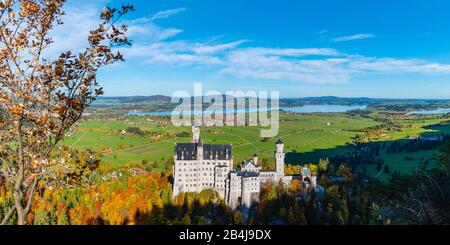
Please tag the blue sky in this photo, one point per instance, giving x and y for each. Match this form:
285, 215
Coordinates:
388, 49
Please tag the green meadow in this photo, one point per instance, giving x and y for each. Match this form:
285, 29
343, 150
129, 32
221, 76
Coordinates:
312, 136
399, 163
407, 162
301, 133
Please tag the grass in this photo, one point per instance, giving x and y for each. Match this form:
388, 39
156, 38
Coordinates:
398, 162
301, 133
411, 127
307, 135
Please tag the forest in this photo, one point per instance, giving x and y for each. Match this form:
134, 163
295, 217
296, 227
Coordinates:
70, 156
86, 198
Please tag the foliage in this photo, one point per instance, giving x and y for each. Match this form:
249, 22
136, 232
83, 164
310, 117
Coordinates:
422, 198
42, 97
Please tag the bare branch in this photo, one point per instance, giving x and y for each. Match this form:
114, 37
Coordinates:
31, 197
8, 215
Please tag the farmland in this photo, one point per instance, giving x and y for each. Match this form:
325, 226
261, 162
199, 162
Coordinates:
309, 136
301, 133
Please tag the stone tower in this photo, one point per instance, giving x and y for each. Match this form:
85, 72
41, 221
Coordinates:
200, 149
195, 134
279, 158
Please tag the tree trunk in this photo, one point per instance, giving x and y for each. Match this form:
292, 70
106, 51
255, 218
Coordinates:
8, 215
18, 194
21, 217
19, 209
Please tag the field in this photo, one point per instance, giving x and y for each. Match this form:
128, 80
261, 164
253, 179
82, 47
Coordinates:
301, 133
399, 162
307, 137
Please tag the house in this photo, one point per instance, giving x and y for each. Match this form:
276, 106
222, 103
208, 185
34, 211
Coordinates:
137, 171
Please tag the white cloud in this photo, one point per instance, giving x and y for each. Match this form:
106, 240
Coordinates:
283, 64
353, 37
167, 13
288, 51
144, 28
211, 49
83, 16
391, 65
181, 52
73, 34
311, 65
172, 53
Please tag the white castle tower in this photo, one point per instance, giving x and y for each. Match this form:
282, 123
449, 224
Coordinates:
200, 149
195, 134
279, 158
255, 159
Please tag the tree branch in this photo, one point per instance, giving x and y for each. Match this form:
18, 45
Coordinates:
8, 215
32, 192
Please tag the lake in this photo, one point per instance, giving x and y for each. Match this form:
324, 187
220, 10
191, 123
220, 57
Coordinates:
298, 109
323, 108
429, 112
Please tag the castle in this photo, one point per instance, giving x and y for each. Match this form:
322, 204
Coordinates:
199, 166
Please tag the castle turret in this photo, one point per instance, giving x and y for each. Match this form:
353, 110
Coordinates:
279, 158
200, 149
255, 159
314, 181
195, 134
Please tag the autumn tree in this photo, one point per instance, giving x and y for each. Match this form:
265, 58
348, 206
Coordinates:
42, 97
323, 165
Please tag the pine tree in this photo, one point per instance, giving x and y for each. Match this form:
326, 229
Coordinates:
238, 218
186, 220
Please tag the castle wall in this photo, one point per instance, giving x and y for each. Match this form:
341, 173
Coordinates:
220, 177
235, 190
238, 188
197, 175
250, 190
268, 177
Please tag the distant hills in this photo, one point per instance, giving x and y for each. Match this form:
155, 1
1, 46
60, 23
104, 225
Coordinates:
304, 100
137, 98
162, 102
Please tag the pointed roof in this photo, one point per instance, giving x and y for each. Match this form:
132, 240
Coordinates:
247, 163
255, 155
279, 142
189, 150
305, 171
